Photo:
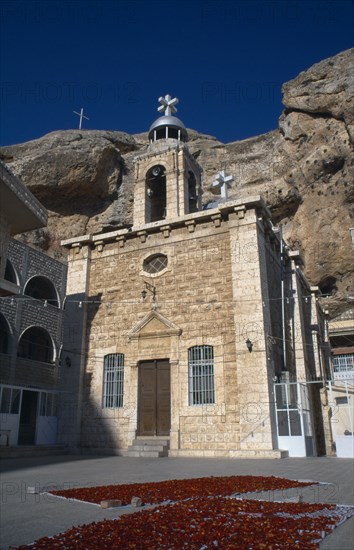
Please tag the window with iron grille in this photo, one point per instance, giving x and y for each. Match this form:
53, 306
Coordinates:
113, 379
201, 375
154, 264
343, 362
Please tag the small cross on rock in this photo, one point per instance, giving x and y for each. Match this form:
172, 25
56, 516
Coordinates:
81, 115
222, 182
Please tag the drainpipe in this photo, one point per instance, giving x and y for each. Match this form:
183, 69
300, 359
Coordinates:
282, 276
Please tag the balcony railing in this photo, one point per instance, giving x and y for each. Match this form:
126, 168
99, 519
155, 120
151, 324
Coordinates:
36, 373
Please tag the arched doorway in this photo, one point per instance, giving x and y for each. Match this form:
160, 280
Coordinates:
192, 193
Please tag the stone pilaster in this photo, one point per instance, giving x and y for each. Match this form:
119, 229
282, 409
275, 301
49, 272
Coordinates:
298, 318
250, 305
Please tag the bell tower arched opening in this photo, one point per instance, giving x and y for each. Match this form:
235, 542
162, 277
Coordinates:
155, 188
192, 193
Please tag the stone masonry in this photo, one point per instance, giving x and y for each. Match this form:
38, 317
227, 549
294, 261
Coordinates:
214, 291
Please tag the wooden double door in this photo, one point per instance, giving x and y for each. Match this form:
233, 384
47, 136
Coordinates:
154, 408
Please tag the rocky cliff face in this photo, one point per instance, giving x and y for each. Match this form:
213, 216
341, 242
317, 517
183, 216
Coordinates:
304, 170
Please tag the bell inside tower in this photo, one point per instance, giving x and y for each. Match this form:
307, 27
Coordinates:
155, 187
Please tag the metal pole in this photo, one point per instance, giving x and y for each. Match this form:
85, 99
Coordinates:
282, 274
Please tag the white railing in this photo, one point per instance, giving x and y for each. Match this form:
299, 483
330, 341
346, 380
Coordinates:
343, 367
343, 363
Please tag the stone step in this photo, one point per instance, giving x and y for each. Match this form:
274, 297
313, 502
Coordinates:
151, 441
147, 447
152, 454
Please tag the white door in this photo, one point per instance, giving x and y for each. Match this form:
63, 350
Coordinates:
293, 416
47, 422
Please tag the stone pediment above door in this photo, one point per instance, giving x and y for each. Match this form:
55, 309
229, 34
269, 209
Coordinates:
154, 325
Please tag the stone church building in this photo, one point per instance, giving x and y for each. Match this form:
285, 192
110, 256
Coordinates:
194, 330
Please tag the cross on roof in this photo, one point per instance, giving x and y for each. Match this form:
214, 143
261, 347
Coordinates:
81, 115
167, 105
222, 182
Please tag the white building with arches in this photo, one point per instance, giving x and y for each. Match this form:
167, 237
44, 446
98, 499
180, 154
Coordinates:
32, 287
31, 331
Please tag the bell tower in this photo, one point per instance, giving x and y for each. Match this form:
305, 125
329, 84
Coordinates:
167, 176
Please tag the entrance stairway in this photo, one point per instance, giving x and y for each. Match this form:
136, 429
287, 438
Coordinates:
149, 447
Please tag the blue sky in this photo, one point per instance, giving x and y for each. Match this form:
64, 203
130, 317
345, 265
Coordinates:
224, 60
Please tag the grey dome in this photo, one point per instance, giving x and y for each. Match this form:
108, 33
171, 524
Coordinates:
168, 122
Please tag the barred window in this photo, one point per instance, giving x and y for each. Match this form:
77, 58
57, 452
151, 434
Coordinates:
201, 375
342, 400
113, 379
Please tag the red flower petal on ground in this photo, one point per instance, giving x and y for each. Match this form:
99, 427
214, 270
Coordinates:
180, 489
208, 523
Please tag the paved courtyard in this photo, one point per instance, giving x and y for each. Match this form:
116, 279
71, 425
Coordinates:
27, 517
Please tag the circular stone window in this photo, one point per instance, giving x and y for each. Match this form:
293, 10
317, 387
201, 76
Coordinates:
155, 264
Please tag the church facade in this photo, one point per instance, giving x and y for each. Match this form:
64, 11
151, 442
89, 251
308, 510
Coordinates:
194, 326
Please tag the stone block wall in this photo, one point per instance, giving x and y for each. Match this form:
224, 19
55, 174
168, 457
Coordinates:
211, 293
194, 293
221, 287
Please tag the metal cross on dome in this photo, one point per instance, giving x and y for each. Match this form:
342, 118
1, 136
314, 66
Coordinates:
222, 182
167, 105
